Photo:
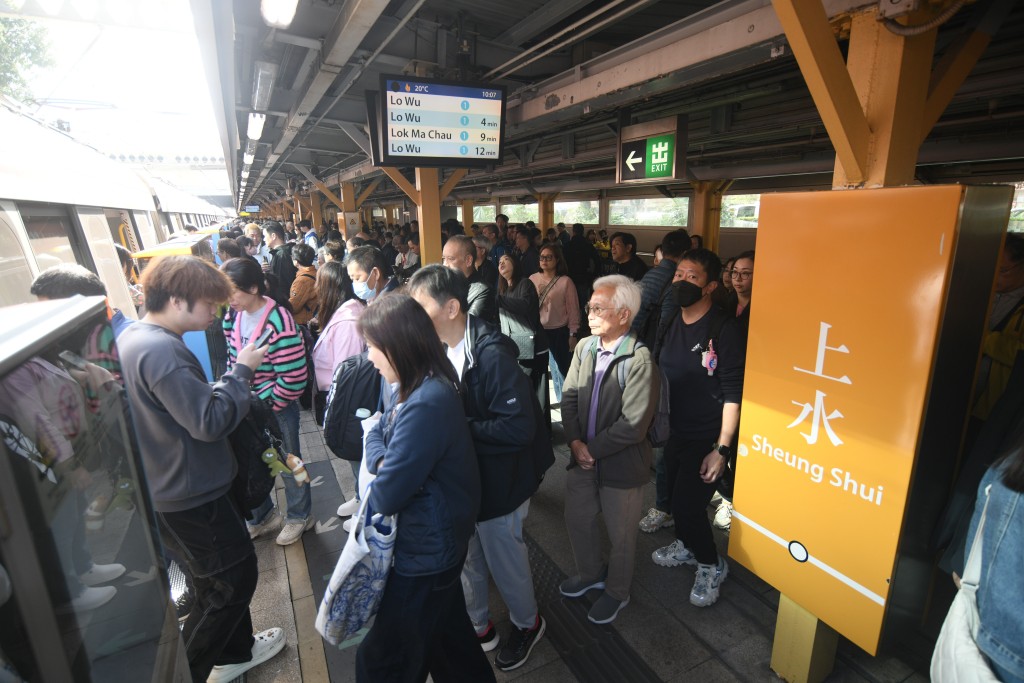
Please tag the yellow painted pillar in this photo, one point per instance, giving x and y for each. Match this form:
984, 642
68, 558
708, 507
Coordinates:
317, 209
890, 74
348, 202
707, 210
806, 651
546, 212
467, 216
429, 215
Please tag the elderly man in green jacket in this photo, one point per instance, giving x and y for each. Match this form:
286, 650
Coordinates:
608, 401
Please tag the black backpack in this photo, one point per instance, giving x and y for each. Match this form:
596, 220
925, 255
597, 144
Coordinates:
257, 432
651, 328
356, 384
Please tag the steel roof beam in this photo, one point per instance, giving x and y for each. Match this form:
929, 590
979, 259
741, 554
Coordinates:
729, 36
540, 21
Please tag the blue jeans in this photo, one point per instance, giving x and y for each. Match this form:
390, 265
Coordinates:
498, 547
298, 501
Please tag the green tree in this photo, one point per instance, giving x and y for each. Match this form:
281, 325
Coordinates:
23, 47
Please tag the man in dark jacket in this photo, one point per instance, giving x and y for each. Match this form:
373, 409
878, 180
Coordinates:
513, 450
459, 253
281, 262
626, 262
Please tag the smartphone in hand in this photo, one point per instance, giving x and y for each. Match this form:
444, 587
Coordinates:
263, 338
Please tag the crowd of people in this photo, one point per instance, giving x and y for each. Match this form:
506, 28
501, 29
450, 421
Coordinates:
479, 335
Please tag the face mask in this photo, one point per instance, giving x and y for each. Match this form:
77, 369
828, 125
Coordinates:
685, 293
363, 290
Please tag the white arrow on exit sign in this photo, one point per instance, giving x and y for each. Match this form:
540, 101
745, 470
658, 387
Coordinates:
630, 160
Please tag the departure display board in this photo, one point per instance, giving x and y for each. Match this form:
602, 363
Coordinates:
426, 122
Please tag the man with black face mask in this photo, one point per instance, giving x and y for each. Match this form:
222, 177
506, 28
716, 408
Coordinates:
702, 358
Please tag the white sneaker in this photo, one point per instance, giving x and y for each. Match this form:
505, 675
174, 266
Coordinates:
347, 526
292, 531
674, 555
255, 530
349, 507
723, 515
268, 643
655, 519
706, 585
88, 599
99, 574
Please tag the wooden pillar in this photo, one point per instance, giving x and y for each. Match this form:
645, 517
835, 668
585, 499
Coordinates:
429, 215
348, 203
890, 74
807, 651
316, 207
707, 210
467, 216
546, 211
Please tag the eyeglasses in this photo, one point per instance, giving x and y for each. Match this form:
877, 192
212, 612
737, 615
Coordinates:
741, 274
547, 257
597, 310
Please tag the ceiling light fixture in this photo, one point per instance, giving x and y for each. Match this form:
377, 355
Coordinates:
264, 75
278, 13
255, 129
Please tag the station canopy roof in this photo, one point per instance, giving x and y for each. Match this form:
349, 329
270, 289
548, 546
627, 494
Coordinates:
576, 70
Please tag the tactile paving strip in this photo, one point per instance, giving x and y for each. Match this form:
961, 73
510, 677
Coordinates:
593, 653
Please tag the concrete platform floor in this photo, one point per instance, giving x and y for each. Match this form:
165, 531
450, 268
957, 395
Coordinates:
730, 641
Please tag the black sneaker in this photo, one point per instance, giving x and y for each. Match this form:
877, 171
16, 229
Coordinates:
488, 639
184, 604
519, 646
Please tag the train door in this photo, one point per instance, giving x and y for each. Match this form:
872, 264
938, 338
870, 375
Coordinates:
17, 268
100, 245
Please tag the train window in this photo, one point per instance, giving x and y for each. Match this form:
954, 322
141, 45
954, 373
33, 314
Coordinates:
520, 213
740, 210
14, 267
53, 236
586, 212
654, 211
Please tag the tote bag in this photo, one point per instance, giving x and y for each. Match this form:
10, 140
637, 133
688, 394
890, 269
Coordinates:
957, 658
357, 584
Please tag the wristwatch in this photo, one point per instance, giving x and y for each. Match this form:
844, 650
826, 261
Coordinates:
723, 450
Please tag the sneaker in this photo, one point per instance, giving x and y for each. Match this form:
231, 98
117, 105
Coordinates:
256, 530
489, 638
268, 643
723, 515
606, 609
347, 525
709, 578
349, 507
519, 646
99, 574
575, 587
184, 604
90, 598
674, 555
655, 519
292, 531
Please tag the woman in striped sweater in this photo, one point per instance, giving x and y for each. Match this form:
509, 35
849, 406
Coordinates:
279, 380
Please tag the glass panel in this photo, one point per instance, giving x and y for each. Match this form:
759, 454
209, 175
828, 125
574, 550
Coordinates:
14, 268
659, 211
49, 234
1017, 210
740, 210
585, 212
67, 441
519, 213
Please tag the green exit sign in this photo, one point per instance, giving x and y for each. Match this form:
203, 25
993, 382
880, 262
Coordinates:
652, 151
660, 155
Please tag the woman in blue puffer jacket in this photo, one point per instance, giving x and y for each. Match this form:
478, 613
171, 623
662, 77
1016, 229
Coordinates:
422, 454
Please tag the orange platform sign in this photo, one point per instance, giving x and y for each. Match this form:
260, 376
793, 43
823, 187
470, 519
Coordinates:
843, 333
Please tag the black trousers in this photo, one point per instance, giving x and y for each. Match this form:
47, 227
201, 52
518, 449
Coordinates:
537, 370
421, 628
690, 495
558, 347
214, 544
